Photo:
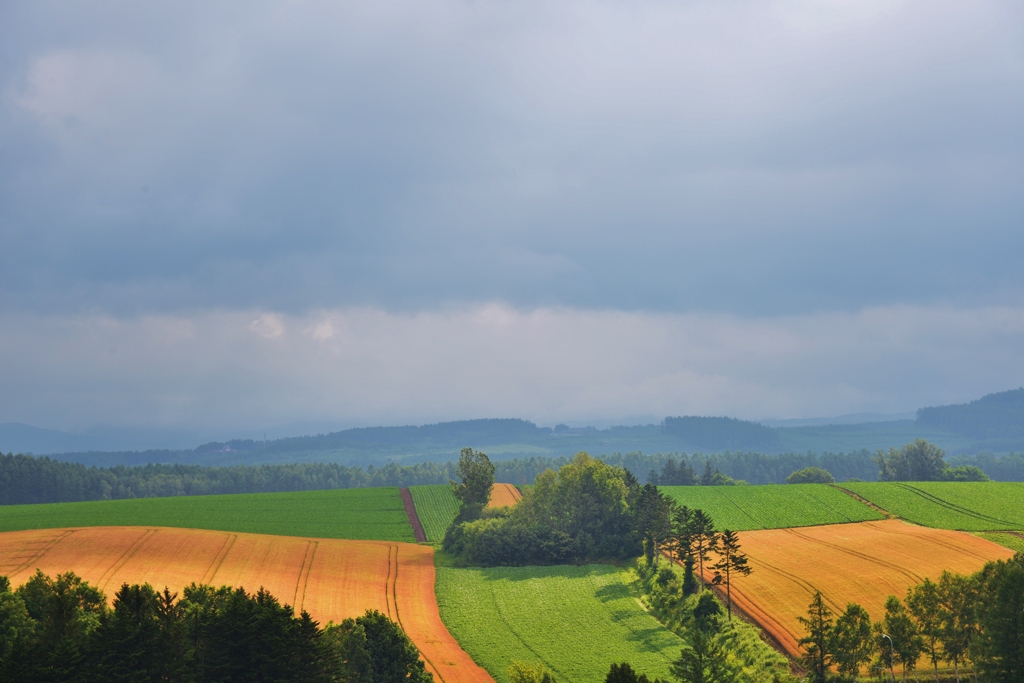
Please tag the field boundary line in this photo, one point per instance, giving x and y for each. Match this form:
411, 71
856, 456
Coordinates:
127, 555
761, 623
300, 584
391, 583
218, 559
414, 518
46, 547
942, 502
856, 496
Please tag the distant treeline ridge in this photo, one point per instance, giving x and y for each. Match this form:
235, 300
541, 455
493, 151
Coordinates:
30, 479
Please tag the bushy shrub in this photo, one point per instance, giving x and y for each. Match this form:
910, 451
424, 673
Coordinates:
811, 475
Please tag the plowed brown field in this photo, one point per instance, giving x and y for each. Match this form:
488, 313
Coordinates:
331, 579
503, 495
861, 563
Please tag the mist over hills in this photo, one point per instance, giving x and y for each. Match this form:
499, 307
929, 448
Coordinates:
993, 423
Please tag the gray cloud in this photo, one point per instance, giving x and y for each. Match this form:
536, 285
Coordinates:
447, 209
756, 158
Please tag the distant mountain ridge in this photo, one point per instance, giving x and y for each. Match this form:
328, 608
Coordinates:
994, 423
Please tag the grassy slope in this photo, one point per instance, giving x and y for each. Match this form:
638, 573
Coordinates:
969, 506
360, 514
743, 508
436, 507
577, 620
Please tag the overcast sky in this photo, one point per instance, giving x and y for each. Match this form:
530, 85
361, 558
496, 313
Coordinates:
240, 215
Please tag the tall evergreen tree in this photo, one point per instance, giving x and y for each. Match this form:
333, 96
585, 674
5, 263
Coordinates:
731, 561
817, 643
705, 540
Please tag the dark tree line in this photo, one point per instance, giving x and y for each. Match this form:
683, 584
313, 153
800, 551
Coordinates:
30, 479
965, 622
61, 629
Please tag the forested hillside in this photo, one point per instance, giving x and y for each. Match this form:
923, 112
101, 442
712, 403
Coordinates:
997, 418
721, 433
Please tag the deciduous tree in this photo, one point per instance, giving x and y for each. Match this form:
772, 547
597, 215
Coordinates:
852, 645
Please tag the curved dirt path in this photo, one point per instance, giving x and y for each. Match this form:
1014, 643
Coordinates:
329, 578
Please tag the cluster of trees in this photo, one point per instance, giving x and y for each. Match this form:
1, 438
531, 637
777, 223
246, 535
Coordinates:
683, 474
61, 629
715, 649
811, 475
754, 468
922, 461
587, 510
975, 621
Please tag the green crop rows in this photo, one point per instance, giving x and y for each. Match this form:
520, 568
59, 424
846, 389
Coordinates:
576, 620
743, 508
365, 514
969, 506
436, 507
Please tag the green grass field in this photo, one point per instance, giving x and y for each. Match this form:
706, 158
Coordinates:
362, 514
576, 620
744, 508
436, 507
968, 506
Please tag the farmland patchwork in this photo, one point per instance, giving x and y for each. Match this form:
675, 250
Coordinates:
331, 579
861, 563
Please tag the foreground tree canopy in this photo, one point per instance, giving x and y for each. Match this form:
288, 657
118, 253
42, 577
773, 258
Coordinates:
61, 629
974, 622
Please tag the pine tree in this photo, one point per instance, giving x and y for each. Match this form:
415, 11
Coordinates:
731, 560
817, 643
705, 540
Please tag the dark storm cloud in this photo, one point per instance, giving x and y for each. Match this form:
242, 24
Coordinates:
749, 157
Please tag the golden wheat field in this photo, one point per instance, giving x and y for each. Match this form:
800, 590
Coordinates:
331, 579
863, 563
503, 495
